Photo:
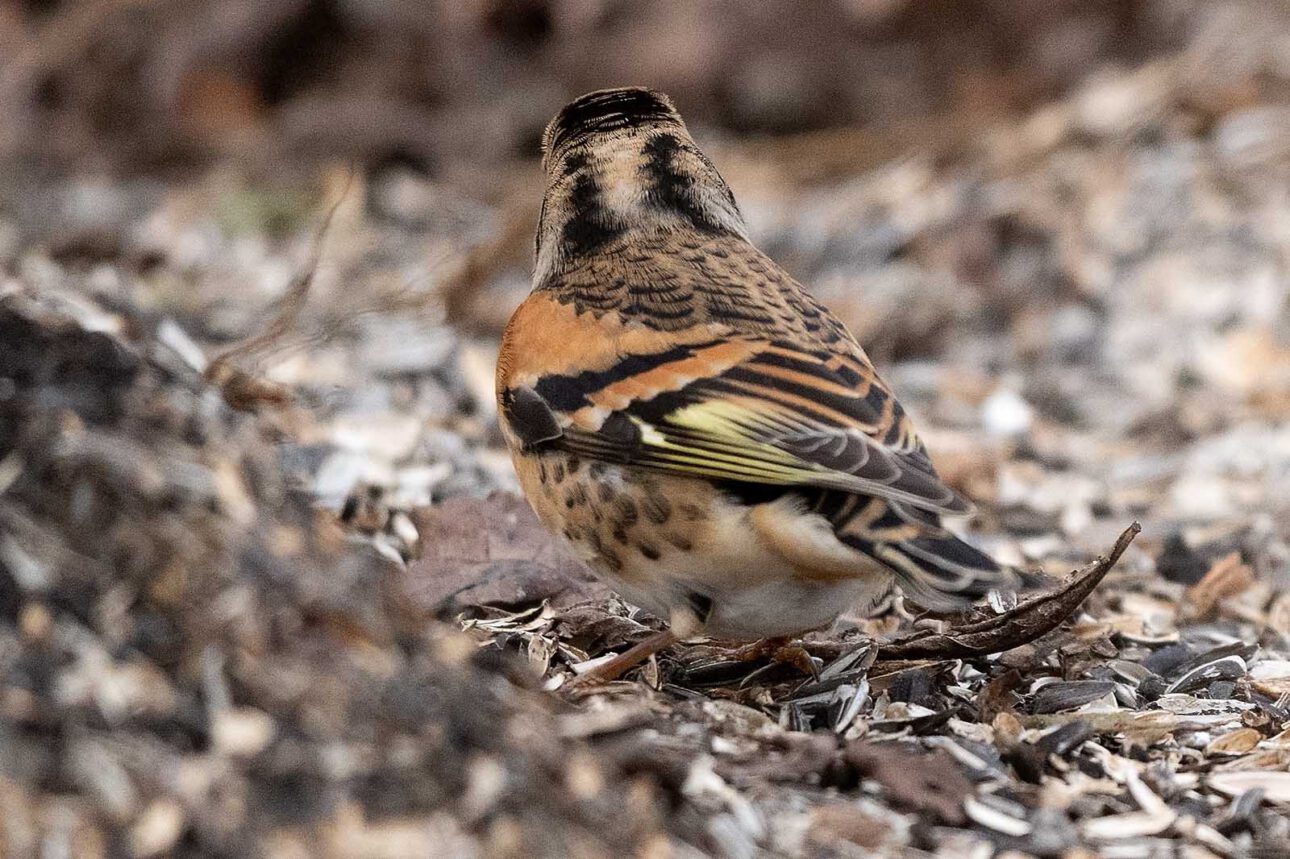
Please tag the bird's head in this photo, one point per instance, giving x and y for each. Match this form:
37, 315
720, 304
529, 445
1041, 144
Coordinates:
619, 161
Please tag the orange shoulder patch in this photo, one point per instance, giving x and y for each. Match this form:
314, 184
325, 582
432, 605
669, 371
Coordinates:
547, 337
705, 363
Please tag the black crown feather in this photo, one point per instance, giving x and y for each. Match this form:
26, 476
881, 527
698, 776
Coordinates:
606, 110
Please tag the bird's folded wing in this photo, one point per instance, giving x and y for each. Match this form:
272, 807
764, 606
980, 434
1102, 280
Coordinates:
750, 411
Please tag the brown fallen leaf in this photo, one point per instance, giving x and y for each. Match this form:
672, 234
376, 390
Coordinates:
998, 696
1226, 578
930, 782
1028, 621
491, 551
1236, 742
843, 826
590, 627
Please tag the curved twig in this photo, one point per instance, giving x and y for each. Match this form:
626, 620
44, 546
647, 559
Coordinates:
1023, 624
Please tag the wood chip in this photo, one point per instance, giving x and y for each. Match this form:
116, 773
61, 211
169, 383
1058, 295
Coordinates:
1226, 578
1275, 785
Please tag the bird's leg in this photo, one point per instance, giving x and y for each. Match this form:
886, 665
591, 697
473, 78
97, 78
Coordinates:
762, 648
782, 650
629, 659
684, 622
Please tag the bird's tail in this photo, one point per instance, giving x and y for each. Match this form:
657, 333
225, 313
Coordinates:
934, 568
943, 572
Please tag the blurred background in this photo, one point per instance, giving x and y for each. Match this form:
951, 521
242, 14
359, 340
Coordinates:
142, 87
1061, 228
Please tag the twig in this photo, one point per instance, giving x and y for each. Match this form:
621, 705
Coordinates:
242, 389
1023, 624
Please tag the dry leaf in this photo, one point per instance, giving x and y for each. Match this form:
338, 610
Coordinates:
1226, 578
492, 551
1236, 742
925, 782
835, 824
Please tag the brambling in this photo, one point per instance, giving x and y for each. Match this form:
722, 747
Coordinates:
710, 439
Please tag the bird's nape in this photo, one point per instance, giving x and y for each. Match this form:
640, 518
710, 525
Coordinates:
607, 110
621, 162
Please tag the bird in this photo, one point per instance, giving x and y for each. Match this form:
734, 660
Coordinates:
710, 439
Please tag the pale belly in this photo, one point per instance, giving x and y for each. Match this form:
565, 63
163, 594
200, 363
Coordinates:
769, 610
665, 542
